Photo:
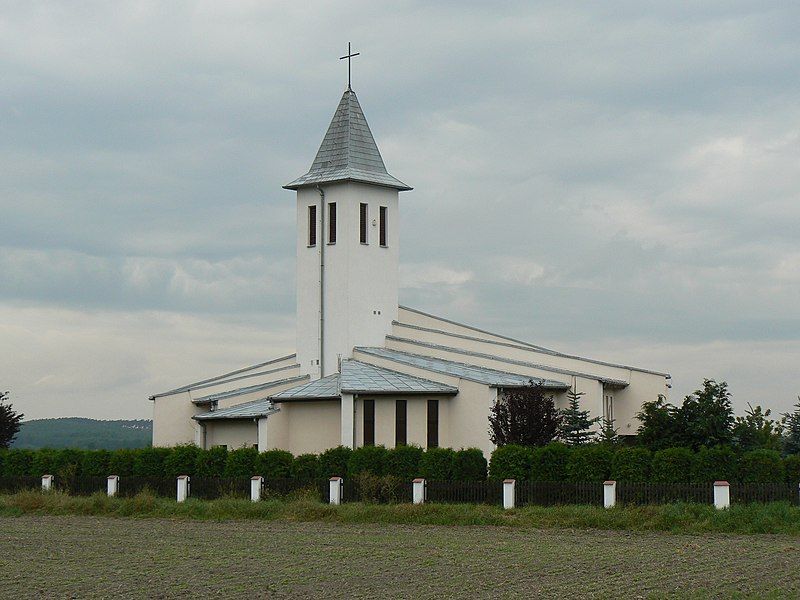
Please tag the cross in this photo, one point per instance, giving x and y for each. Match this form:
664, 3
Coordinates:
348, 56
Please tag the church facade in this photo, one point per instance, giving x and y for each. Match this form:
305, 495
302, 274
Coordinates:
368, 370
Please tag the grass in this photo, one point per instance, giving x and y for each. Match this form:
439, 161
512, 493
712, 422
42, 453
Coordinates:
774, 518
97, 557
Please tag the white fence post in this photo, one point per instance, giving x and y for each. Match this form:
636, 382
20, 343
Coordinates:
47, 483
183, 488
336, 484
609, 494
112, 487
509, 493
256, 483
418, 491
722, 494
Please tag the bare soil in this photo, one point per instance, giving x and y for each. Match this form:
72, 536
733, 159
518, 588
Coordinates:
97, 557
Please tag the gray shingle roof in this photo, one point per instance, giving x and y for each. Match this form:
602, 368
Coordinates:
348, 152
319, 389
248, 410
359, 378
484, 375
246, 390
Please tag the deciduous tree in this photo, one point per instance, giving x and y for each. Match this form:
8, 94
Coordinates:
9, 421
526, 416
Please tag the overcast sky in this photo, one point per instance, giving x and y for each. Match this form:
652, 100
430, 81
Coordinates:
618, 179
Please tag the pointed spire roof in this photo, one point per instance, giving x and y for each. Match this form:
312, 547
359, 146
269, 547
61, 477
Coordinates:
348, 152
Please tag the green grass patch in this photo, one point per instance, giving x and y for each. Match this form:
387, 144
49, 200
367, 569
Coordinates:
774, 517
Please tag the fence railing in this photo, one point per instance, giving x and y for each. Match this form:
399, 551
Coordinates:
395, 490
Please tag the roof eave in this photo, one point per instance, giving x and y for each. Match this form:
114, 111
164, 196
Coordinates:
452, 392
294, 185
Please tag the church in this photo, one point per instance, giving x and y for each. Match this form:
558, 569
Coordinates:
368, 370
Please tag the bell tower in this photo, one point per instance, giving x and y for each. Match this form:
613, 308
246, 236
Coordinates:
347, 244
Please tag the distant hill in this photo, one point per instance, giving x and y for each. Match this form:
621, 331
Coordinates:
77, 432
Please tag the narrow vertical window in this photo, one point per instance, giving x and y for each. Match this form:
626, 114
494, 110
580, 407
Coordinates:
312, 225
400, 427
433, 423
383, 225
369, 422
332, 222
363, 223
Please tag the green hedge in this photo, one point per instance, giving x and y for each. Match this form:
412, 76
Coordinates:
554, 462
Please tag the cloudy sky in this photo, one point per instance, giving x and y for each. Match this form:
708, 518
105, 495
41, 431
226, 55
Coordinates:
619, 179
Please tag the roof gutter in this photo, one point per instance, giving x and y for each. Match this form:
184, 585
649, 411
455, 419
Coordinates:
321, 281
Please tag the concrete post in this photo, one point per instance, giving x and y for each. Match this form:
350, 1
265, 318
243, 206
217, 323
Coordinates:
256, 483
47, 483
509, 493
263, 446
336, 484
183, 488
418, 491
722, 494
112, 487
609, 494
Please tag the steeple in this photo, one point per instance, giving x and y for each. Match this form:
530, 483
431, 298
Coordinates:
348, 152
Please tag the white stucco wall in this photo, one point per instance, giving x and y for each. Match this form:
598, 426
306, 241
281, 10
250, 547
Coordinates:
235, 433
360, 280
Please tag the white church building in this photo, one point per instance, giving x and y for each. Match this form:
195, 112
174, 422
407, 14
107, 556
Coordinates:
368, 370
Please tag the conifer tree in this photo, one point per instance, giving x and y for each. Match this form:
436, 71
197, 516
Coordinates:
9, 422
576, 426
609, 434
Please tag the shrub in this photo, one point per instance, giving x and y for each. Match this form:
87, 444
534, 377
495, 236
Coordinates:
791, 465
672, 465
181, 460
714, 464
383, 489
631, 464
149, 462
211, 462
470, 465
305, 466
761, 466
95, 463
18, 463
242, 462
333, 462
274, 464
67, 462
437, 464
43, 462
121, 462
549, 463
589, 463
3, 453
403, 462
367, 459
511, 462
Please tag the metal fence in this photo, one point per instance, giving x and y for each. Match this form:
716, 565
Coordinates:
10, 485
744, 493
551, 493
664, 493
470, 492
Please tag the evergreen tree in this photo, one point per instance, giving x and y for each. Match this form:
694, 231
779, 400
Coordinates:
609, 434
791, 435
9, 421
526, 416
576, 425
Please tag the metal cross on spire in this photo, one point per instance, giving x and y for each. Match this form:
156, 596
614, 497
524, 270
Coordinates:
348, 56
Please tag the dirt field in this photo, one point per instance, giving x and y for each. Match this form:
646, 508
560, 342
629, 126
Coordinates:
84, 557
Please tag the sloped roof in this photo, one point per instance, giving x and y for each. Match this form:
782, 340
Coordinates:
248, 410
246, 390
348, 152
326, 388
484, 375
362, 378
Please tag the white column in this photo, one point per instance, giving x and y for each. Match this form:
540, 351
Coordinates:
336, 490
609, 494
112, 487
183, 488
262, 434
256, 483
348, 421
722, 494
418, 491
509, 493
200, 435
47, 483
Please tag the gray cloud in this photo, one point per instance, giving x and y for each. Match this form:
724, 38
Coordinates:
617, 179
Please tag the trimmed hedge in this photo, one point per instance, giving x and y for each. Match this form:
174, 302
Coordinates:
554, 462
